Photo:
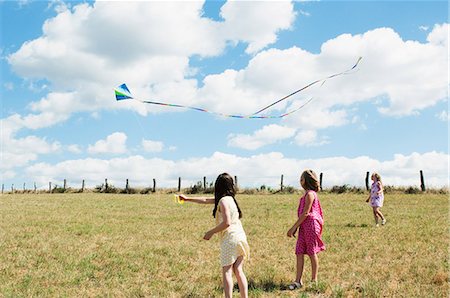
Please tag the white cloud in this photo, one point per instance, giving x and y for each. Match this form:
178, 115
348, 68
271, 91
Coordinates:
74, 149
5, 175
114, 143
309, 138
424, 28
399, 79
252, 171
81, 46
79, 49
256, 22
152, 146
443, 116
439, 35
18, 152
269, 134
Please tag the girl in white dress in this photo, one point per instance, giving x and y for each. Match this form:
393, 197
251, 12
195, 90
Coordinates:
376, 198
233, 245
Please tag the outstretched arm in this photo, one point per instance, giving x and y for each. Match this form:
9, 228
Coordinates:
308, 204
198, 200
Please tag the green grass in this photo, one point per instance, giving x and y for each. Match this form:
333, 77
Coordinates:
74, 245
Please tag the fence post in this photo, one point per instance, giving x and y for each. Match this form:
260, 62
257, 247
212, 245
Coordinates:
65, 184
3, 187
320, 180
12, 188
82, 185
204, 183
24, 187
422, 181
50, 187
179, 184
367, 180
236, 182
106, 184
154, 185
35, 188
126, 186
281, 184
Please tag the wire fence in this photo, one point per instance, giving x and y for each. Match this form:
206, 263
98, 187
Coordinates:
202, 185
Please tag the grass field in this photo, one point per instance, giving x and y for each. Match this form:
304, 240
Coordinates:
88, 245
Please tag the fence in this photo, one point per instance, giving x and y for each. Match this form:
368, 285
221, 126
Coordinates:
106, 186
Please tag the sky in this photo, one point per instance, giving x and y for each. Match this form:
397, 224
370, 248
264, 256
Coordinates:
61, 61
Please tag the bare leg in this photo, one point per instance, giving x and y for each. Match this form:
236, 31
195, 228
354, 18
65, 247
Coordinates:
240, 276
375, 214
227, 275
314, 267
380, 214
300, 263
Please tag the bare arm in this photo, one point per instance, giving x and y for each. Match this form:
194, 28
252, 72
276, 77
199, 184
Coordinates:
308, 204
380, 186
199, 200
223, 225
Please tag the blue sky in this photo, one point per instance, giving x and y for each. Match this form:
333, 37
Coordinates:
62, 60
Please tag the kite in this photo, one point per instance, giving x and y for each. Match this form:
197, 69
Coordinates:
178, 199
122, 93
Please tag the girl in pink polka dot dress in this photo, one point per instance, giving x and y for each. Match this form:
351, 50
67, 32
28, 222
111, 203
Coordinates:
309, 225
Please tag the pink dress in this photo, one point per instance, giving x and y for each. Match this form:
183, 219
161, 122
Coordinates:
310, 231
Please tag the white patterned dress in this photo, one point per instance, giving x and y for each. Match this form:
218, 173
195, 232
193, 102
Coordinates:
233, 243
376, 200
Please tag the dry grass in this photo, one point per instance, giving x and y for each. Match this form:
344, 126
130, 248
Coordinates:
138, 246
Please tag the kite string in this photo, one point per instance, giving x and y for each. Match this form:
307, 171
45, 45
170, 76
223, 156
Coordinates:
309, 85
253, 116
140, 125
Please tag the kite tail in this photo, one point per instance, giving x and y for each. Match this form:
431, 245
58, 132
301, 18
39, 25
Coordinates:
309, 85
122, 92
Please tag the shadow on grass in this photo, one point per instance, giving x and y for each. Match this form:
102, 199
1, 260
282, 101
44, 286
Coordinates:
263, 286
352, 225
269, 286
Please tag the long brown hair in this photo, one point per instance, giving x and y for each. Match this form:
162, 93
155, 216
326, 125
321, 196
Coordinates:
311, 180
223, 187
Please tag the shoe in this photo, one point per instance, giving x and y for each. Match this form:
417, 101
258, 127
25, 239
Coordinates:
295, 285
377, 225
383, 222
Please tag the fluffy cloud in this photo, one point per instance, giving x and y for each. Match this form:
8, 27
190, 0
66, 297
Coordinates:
269, 134
412, 77
114, 143
74, 149
399, 79
309, 138
256, 24
253, 171
19, 151
85, 51
152, 146
86, 48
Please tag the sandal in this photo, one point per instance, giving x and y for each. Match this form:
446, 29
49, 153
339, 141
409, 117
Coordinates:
295, 285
